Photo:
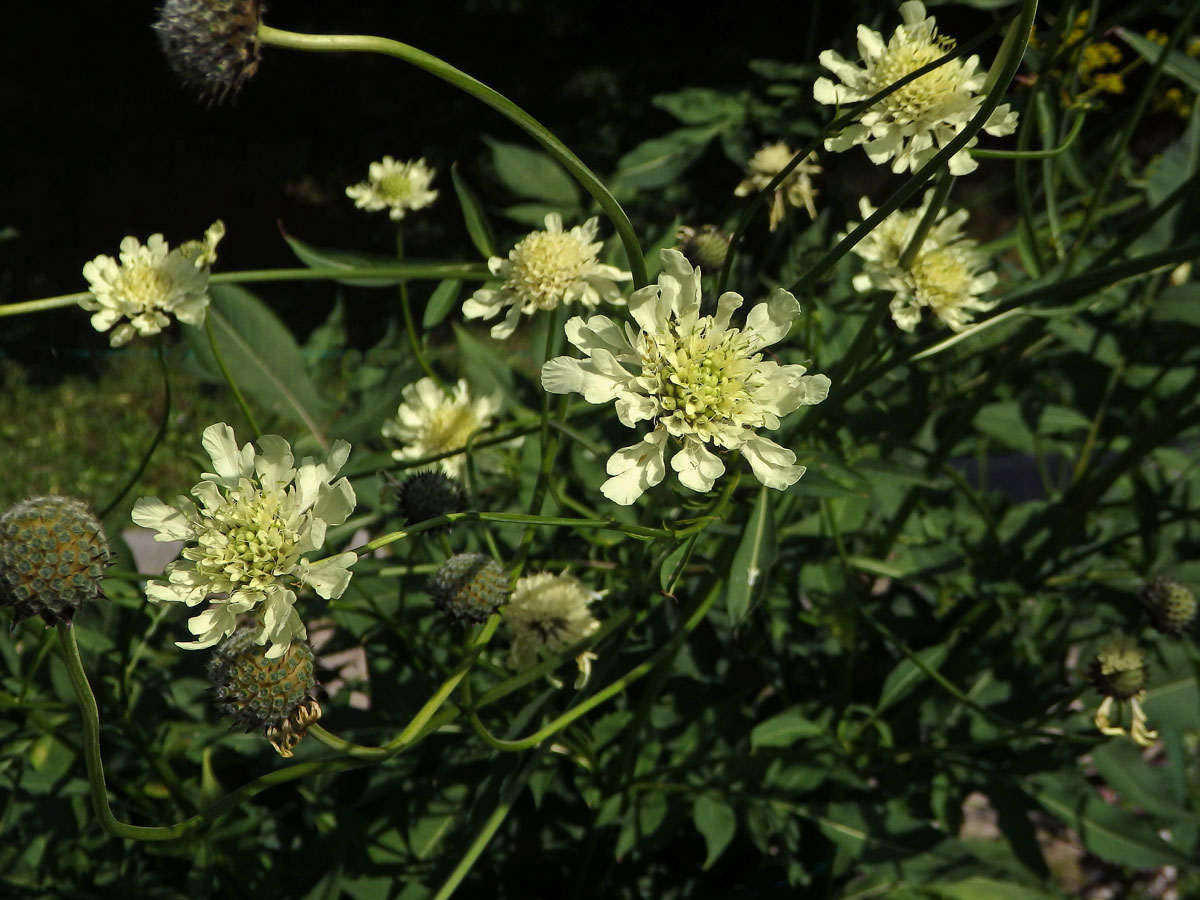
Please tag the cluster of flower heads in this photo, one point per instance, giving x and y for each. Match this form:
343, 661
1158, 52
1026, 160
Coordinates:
148, 282
245, 535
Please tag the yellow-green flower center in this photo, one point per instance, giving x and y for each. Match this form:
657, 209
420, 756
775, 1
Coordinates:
702, 380
544, 265
926, 94
449, 428
250, 542
942, 278
144, 284
396, 186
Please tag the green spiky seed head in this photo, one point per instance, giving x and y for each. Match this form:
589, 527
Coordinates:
274, 695
705, 246
1119, 667
52, 558
212, 45
470, 586
427, 495
1170, 605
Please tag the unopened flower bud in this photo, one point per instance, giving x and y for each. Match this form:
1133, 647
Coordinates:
1170, 605
470, 586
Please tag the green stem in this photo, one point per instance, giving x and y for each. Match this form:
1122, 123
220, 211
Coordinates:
237, 392
508, 797
1036, 154
155, 441
410, 324
1008, 69
754, 203
941, 190
357, 43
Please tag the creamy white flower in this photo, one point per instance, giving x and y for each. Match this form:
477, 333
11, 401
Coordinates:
149, 282
430, 421
698, 380
796, 189
245, 535
395, 186
910, 125
546, 269
946, 275
546, 615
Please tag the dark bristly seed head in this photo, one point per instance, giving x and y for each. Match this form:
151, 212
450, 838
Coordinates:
427, 495
470, 586
52, 558
212, 45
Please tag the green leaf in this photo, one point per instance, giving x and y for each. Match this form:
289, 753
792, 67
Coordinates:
702, 106
261, 355
659, 161
907, 675
443, 299
989, 889
1178, 303
477, 224
1178, 64
484, 365
784, 730
716, 821
1173, 696
1147, 787
755, 555
399, 270
1110, 833
533, 174
673, 565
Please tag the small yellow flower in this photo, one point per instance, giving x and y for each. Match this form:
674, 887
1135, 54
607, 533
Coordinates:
796, 189
545, 269
395, 186
946, 276
430, 421
149, 282
910, 125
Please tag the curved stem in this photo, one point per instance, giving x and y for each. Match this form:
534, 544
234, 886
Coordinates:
358, 43
155, 441
941, 191
1022, 26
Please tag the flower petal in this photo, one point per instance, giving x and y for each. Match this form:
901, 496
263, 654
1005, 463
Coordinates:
635, 469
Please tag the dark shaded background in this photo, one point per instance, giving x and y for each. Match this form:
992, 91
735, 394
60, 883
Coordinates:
103, 142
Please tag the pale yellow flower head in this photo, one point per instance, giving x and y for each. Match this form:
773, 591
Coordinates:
701, 382
149, 282
432, 421
547, 614
910, 125
545, 269
245, 537
946, 277
795, 190
398, 187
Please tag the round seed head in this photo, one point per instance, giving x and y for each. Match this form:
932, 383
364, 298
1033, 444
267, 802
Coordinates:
212, 45
470, 586
705, 246
427, 495
52, 558
1119, 667
1170, 605
274, 695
